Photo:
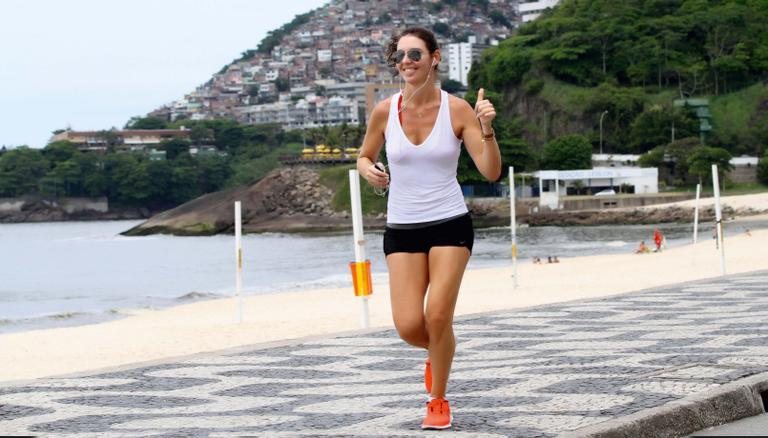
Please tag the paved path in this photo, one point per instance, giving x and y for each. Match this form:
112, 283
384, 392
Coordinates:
531, 372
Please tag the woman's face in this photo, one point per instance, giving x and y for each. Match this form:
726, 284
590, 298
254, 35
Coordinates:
410, 70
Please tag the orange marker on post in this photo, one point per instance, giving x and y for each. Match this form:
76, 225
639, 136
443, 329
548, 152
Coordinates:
361, 268
361, 278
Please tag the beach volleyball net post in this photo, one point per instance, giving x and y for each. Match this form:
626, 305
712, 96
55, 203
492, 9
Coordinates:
718, 218
238, 261
360, 268
513, 225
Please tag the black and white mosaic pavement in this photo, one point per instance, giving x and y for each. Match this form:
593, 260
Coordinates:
531, 372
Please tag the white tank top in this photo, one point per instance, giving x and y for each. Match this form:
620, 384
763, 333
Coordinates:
423, 185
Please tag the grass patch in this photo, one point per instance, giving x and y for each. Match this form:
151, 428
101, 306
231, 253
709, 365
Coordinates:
731, 189
569, 98
743, 188
731, 113
663, 98
337, 179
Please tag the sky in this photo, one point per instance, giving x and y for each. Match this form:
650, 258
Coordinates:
94, 64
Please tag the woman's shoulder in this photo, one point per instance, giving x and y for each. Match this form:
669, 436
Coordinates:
459, 106
383, 104
380, 111
457, 103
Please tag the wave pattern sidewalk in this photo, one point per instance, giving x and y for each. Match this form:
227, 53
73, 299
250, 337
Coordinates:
533, 372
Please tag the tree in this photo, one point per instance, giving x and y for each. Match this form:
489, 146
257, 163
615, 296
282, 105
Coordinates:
762, 169
676, 154
623, 106
442, 29
214, 173
451, 86
497, 17
175, 147
703, 157
59, 151
20, 171
653, 127
94, 181
568, 152
65, 179
146, 123
514, 151
282, 84
652, 158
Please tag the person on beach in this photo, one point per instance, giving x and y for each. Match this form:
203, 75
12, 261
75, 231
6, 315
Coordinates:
657, 239
642, 248
429, 235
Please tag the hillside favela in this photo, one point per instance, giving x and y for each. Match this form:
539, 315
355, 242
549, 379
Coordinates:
583, 257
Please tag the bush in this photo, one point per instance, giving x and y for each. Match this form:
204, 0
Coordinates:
568, 152
762, 169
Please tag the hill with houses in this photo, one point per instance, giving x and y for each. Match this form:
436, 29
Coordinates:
320, 69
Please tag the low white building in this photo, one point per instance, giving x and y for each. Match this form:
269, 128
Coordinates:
553, 184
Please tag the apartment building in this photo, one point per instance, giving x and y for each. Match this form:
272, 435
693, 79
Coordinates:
309, 112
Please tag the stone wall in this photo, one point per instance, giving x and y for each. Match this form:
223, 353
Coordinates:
37, 209
69, 205
743, 174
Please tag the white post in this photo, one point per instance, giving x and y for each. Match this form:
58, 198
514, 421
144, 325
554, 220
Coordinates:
718, 218
513, 224
696, 214
238, 261
357, 228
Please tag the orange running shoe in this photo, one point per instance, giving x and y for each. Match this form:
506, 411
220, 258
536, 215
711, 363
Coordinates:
428, 376
438, 414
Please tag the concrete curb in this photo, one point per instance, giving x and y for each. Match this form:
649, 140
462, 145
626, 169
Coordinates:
733, 401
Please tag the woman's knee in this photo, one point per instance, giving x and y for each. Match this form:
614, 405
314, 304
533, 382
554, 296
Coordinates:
438, 322
412, 331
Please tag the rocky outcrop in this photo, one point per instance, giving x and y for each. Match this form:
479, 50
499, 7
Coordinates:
627, 216
288, 199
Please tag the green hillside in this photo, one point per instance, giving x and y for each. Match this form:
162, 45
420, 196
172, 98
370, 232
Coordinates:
633, 59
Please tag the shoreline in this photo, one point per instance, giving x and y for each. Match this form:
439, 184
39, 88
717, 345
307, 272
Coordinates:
487, 212
78, 317
211, 325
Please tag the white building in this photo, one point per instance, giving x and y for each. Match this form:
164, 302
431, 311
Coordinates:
531, 9
460, 58
459, 61
311, 112
324, 55
556, 183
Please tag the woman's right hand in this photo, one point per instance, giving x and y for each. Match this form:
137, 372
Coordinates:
377, 176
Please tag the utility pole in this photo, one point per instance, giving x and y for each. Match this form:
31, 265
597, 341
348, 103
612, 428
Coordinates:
601, 130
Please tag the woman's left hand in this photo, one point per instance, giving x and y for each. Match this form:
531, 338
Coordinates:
484, 111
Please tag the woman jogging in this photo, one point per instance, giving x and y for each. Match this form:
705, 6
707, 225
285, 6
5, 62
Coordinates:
429, 234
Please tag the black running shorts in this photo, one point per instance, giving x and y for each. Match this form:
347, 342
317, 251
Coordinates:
455, 232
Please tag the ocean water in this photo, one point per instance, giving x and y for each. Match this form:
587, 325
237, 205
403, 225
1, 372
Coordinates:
70, 273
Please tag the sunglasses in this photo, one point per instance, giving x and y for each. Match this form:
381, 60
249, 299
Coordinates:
413, 54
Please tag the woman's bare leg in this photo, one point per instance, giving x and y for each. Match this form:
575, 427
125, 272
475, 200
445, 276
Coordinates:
446, 269
408, 281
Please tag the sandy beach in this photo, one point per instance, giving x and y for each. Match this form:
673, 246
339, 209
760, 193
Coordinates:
150, 335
